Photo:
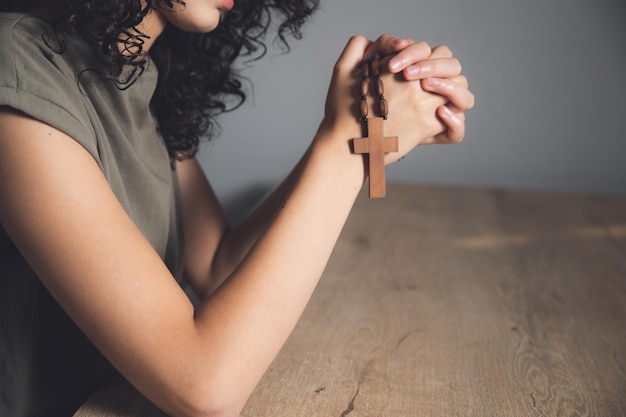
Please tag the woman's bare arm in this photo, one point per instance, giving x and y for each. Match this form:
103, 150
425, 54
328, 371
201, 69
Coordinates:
214, 247
61, 213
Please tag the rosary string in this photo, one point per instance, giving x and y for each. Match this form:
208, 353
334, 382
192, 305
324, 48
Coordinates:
375, 144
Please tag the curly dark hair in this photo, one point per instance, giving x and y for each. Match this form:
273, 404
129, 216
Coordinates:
196, 76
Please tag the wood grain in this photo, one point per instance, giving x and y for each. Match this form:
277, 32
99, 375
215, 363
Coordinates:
459, 302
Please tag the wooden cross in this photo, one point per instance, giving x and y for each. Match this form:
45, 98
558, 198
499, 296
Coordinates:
376, 145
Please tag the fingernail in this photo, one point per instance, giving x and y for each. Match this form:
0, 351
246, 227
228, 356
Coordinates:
446, 110
413, 71
397, 41
395, 64
432, 82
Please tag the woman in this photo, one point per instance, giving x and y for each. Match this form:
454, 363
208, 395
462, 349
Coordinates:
104, 208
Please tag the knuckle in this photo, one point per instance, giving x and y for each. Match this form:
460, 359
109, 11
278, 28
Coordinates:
423, 45
385, 37
458, 65
471, 102
455, 136
443, 50
359, 39
462, 79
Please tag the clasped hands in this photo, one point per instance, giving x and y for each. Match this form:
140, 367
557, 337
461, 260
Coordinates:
426, 92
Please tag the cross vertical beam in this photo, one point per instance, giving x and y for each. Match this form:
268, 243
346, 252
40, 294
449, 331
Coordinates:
376, 145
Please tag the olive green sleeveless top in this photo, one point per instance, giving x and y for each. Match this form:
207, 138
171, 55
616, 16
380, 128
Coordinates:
47, 366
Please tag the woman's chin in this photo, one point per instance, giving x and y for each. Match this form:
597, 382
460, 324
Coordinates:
198, 23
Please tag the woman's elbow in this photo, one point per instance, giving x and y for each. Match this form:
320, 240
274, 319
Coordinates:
200, 410
206, 401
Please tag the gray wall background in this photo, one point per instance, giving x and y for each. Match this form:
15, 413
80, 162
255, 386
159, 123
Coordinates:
549, 78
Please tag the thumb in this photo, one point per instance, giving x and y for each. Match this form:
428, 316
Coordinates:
353, 54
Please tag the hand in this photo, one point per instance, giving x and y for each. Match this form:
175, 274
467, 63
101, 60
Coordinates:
342, 110
417, 115
439, 72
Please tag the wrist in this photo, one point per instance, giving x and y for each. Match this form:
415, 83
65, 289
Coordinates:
332, 144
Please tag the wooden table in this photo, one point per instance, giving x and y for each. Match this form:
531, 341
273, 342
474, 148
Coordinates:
458, 302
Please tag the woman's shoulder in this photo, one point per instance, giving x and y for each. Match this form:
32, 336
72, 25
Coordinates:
37, 77
15, 27
16, 19
28, 47
29, 38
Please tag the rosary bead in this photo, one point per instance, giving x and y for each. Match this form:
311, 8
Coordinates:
365, 88
364, 109
365, 70
379, 85
375, 67
384, 108
369, 68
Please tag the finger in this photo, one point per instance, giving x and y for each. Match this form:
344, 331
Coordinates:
456, 93
437, 67
411, 54
441, 51
441, 63
456, 110
462, 80
441, 67
386, 45
455, 123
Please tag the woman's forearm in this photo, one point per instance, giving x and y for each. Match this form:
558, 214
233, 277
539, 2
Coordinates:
238, 239
258, 305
